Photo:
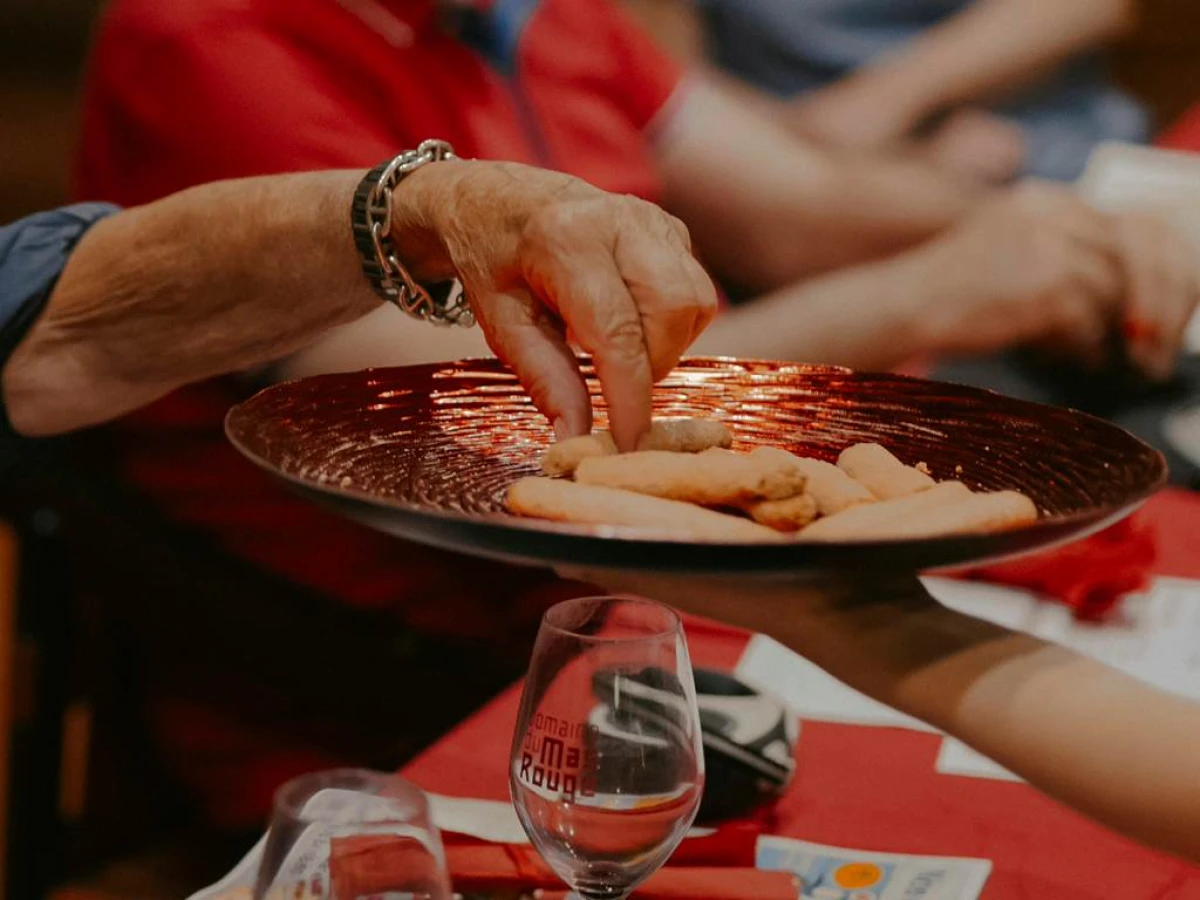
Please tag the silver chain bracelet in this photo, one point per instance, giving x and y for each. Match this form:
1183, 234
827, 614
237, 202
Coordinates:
371, 221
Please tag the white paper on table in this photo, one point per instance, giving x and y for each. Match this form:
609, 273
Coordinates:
827, 873
1157, 640
1128, 177
956, 758
810, 693
488, 820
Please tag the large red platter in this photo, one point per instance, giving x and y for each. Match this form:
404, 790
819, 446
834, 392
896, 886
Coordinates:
426, 452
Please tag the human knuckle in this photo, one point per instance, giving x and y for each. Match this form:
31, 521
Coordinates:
623, 331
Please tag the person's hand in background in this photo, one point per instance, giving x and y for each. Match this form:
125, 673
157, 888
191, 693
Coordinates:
540, 254
1162, 290
1039, 266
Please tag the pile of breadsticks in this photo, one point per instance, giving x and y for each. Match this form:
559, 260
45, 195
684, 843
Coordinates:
684, 481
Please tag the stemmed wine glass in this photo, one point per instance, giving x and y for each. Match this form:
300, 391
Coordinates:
607, 767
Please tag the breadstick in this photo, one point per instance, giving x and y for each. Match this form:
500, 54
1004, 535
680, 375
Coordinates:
886, 518
682, 435
881, 473
791, 514
587, 504
563, 458
679, 435
947, 508
713, 478
831, 488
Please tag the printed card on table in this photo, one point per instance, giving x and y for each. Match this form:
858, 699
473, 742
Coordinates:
837, 873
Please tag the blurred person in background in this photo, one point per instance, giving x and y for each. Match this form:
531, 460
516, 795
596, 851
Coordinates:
860, 261
990, 89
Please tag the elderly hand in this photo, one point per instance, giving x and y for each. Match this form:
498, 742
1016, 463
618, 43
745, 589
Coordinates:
1040, 266
544, 256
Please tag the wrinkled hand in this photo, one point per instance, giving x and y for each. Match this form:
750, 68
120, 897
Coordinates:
544, 255
1040, 266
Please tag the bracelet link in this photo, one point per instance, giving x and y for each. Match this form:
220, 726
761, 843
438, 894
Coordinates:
371, 222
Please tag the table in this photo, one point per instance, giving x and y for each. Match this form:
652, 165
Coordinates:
877, 789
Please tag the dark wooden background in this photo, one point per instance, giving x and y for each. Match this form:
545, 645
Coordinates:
43, 42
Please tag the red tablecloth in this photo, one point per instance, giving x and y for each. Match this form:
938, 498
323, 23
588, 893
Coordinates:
877, 789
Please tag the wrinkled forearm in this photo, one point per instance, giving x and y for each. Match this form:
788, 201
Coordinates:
211, 280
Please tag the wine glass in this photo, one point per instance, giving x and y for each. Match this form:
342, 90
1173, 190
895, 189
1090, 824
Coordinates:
347, 834
607, 767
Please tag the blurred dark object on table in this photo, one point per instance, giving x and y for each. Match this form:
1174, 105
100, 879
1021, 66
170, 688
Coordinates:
749, 746
1114, 393
749, 737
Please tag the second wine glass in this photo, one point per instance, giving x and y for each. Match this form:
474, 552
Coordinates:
607, 766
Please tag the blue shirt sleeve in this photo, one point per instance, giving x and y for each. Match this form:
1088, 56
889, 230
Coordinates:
33, 253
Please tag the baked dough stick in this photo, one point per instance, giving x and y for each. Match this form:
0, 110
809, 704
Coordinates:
881, 473
714, 478
831, 488
562, 458
684, 435
791, 514
679, 435
587, 504
948, 508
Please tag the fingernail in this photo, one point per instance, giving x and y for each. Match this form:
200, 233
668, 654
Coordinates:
562, 430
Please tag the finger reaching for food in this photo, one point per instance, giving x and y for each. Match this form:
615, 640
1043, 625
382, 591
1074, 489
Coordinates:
687, 482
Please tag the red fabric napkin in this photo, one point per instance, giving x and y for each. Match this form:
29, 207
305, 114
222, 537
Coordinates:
714, 867
733, 844
708, 884
506, 868
1090, 576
